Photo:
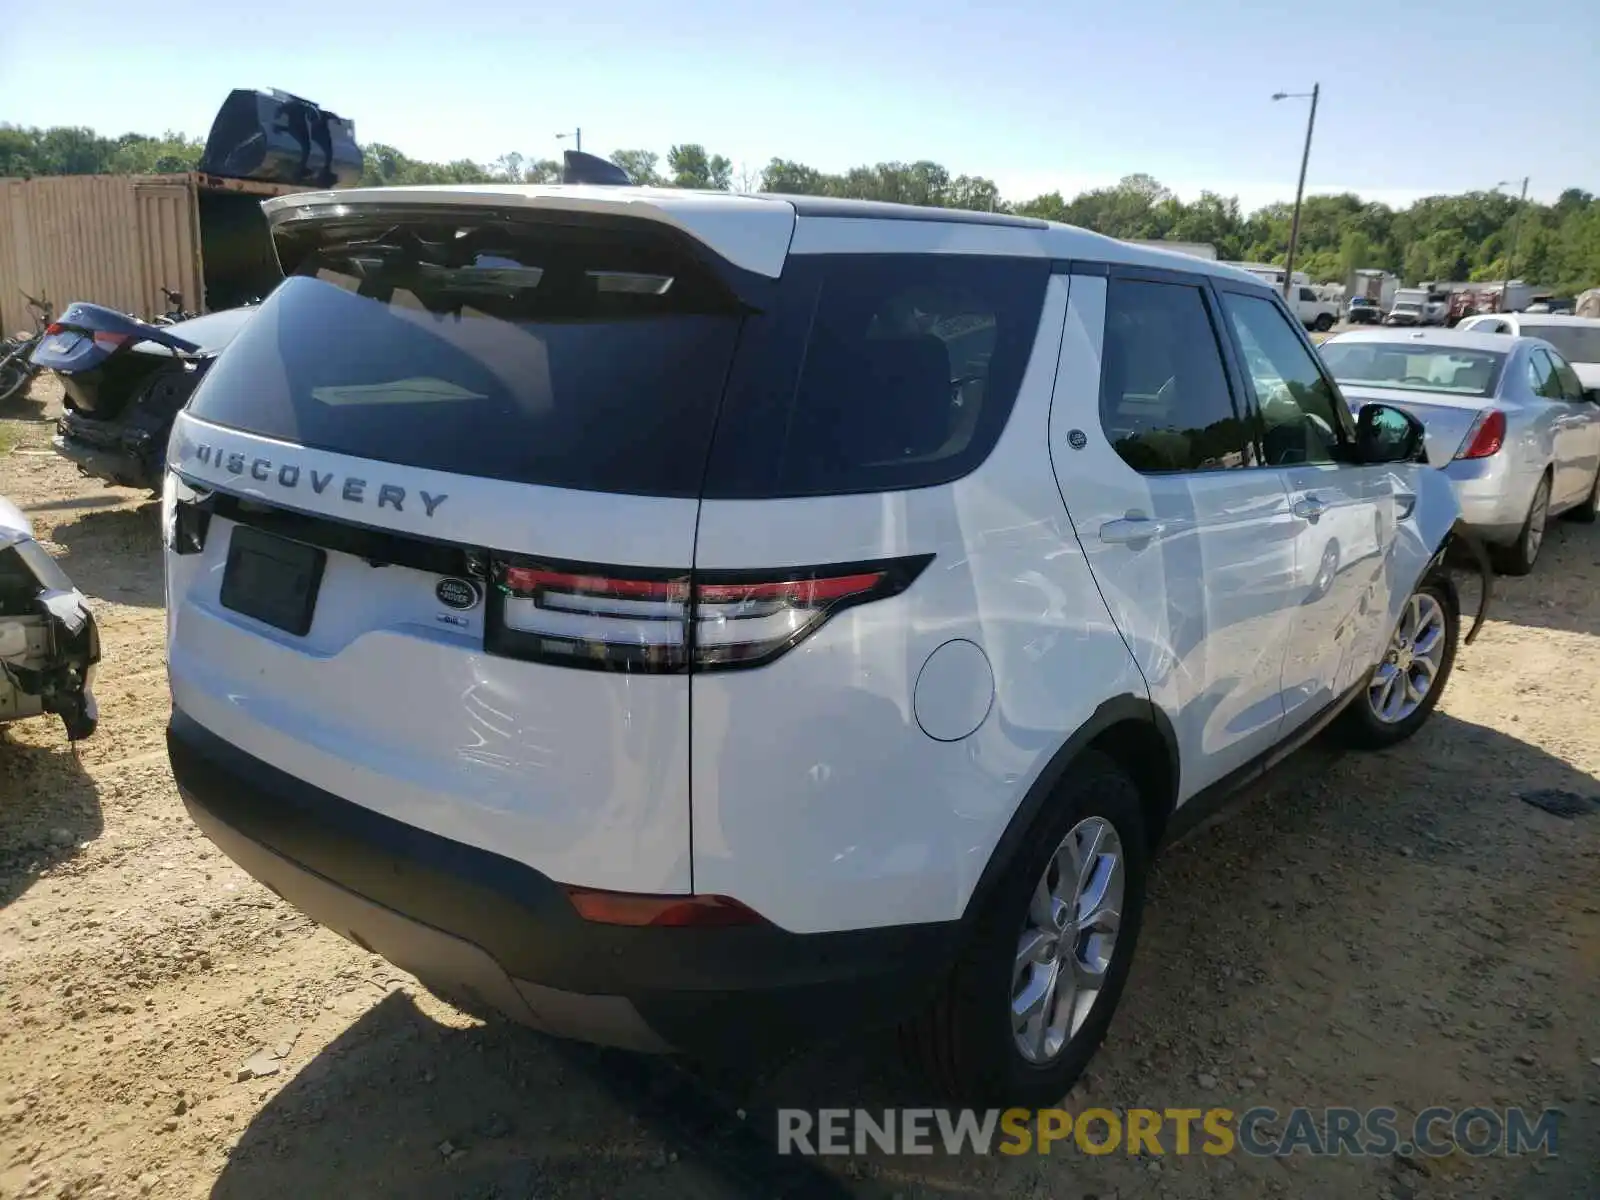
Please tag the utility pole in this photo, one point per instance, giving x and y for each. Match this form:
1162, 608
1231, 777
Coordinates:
1511, 258
577, 138
1300, 190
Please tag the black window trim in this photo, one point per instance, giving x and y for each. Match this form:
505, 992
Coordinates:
1239, 395
1345, 423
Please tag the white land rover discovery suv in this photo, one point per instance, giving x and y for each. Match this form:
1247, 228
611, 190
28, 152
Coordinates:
699, 622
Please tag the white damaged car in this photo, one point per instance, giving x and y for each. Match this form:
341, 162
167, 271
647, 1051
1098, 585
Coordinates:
48, 641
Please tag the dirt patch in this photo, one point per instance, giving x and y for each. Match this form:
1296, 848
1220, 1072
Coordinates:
1392, 929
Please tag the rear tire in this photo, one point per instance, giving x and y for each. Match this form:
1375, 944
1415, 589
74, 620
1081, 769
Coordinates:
1323, 323
1373, 720
969, 1040
1519, 557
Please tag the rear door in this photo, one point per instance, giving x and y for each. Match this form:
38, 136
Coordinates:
1570, 422
1344, 514
1192, 544
1577, 426
1586, 421
434, 513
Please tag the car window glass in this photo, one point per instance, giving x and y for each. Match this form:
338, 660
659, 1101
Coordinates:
1164, 398
1308, 295
1298, 406
1566, 377
875, 372
1542, 376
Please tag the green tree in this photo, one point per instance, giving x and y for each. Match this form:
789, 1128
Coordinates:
791, 179
1355, 251
691, 167
638, 165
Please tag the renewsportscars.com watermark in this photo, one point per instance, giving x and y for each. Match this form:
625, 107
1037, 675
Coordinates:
1262, 1132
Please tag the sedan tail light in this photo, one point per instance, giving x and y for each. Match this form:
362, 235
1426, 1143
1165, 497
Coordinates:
106, 341
612, 618
1487, 435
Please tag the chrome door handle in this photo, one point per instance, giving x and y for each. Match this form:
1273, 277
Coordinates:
1309, 508
1131, 531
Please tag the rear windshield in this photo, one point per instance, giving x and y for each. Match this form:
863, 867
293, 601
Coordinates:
1577, 343
611, 358
556, 355
1414, 368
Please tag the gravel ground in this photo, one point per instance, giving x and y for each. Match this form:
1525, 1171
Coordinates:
1392, 929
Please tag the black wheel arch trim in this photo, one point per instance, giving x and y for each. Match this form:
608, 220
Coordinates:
1117, 710
1458, 545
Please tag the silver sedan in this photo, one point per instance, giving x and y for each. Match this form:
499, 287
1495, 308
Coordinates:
1505, 418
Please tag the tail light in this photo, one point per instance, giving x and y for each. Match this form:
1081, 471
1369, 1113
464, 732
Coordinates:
184, 519
663, 621
106, 341
1487, 435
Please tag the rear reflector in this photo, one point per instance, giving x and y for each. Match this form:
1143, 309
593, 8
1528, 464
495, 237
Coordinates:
616, 619
629, 908
1487, 435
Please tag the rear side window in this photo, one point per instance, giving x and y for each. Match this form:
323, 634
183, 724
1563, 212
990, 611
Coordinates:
1571, 385
567, 355
871, 373
1164, 399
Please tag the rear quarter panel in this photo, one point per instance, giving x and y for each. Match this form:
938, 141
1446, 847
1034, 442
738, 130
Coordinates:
817, 797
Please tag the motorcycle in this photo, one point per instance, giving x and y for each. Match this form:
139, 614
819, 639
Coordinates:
175, 310
125, 381
16, 354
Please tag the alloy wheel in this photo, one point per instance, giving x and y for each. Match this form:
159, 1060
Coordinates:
1538, 515
1411, 666
1067, 940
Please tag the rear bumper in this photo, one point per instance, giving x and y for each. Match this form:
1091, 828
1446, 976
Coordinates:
1494, 501
115, 451
112, 466
489, 932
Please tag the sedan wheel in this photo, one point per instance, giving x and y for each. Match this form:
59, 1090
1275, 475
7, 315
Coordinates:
1519, 557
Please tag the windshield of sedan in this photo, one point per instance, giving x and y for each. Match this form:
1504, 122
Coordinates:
1577, 343
1414, 368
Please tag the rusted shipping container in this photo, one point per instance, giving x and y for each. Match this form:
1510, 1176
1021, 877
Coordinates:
119, 239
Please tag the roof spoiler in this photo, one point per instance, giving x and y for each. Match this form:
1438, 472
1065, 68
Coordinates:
274, 137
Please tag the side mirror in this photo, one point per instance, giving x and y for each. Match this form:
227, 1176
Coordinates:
1385, 434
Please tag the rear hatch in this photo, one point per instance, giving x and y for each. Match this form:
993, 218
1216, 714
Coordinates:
433, 513
1445, 387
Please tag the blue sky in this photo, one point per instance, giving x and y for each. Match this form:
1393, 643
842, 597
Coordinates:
1417, 97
